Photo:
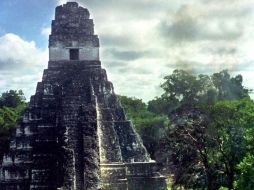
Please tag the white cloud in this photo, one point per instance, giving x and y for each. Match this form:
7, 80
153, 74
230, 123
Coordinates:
45, 31
18, 53
208, 36
21, 64
142, 41
60, 2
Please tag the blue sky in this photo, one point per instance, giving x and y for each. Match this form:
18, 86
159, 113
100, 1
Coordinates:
26, 18
141, 41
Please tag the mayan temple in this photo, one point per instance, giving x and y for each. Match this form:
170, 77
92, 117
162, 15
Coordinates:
74, 134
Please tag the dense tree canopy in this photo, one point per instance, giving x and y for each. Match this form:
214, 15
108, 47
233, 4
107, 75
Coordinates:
12, 104
232, 122
210, 119
12, 98
182, 88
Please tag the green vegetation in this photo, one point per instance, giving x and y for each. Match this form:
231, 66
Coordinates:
205, 126
12, 104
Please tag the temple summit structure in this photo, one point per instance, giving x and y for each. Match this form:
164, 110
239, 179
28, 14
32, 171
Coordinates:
75, 134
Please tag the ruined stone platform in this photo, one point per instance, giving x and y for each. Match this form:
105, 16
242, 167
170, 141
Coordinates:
75, 134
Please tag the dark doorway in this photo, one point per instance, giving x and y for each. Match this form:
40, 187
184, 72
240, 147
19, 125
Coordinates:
74, 54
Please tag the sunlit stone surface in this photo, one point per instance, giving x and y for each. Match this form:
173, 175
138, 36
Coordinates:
75, 135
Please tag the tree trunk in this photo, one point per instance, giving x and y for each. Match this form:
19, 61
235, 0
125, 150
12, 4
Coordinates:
230, 180
211, 182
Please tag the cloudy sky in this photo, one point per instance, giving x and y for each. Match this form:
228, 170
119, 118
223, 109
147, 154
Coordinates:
141, 40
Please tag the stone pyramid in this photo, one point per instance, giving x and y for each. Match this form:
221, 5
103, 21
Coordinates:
74, 134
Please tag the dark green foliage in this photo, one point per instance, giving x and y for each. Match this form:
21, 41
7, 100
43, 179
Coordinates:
159, 106
12, 104
12, 98
189, 147
245, 180
229, 88
206, 140
181, 88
